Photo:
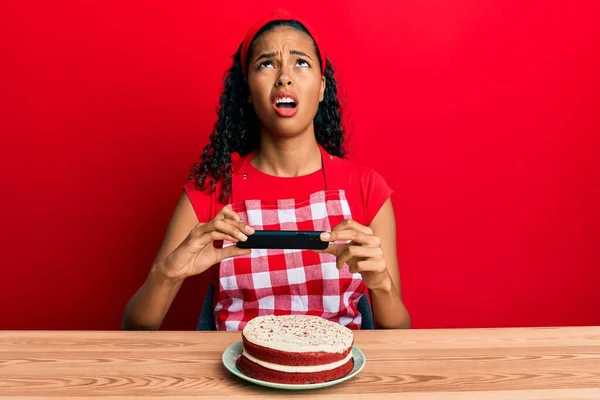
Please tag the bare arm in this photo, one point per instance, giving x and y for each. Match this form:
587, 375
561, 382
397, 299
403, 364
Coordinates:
371, 251
388, 309
188, 249
148, 307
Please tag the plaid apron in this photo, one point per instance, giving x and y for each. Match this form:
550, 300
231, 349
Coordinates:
281, 282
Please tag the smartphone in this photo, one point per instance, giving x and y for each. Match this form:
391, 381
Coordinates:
270, 239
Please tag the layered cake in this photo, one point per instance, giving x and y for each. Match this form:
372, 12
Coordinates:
296, 349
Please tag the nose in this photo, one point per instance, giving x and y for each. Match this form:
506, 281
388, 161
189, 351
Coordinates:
283, 82
284, 78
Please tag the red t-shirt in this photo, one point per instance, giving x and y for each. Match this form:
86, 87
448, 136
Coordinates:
365, 189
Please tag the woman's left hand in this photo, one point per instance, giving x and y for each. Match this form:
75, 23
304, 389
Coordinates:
363, 253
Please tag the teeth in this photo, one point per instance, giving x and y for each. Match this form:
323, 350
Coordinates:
284, 100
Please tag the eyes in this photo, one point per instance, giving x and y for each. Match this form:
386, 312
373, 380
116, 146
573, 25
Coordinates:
299, 63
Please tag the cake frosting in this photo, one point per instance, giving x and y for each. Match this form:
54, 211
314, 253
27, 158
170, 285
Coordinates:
296, 349
298, 333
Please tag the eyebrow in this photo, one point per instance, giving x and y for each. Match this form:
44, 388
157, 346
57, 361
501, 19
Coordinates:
266, 55
300, 53
273, 54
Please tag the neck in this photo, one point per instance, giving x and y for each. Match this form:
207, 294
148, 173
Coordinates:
288, 157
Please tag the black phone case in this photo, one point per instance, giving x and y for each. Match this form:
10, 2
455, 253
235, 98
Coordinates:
264, 239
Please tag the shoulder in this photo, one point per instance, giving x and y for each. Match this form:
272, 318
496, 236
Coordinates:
356, 170
363, 183
205, 200
356, 173
200, 198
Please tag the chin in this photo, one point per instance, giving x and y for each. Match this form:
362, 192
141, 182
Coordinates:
288, 128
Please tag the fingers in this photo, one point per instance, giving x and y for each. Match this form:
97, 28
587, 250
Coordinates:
227, 212
351, 224
215, 235
358, 253
350, 230
218, 229
230, 251
230, 222
368, 266
237, 230
333, 249
233, 228
352, 234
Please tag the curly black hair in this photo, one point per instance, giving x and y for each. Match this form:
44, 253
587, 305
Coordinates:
237, 127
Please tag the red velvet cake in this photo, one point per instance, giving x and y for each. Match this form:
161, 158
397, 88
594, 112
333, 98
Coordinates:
296, 349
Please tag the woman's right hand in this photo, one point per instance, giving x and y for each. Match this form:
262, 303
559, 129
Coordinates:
197, 252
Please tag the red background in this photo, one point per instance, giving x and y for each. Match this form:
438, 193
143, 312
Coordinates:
482, 115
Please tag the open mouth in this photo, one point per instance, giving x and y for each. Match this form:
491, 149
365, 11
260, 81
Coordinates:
285, 102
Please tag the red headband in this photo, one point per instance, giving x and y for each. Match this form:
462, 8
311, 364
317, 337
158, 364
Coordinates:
279, 15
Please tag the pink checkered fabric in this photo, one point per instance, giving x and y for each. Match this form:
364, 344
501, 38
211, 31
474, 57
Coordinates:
281, 282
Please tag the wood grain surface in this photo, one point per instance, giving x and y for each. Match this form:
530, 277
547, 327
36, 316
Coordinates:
516, 363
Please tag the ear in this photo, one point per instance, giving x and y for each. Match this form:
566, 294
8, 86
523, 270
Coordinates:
322, 91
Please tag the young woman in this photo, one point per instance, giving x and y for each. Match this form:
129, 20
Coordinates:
276, 161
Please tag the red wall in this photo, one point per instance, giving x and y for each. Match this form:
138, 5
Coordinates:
482, 115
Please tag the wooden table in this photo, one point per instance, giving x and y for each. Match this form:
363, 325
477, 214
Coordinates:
539, 363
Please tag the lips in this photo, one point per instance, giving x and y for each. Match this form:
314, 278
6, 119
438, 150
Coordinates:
285, 104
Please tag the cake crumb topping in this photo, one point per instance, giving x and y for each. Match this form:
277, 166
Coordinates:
298, 333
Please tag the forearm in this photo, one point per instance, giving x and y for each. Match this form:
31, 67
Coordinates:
388, 309
148, 307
